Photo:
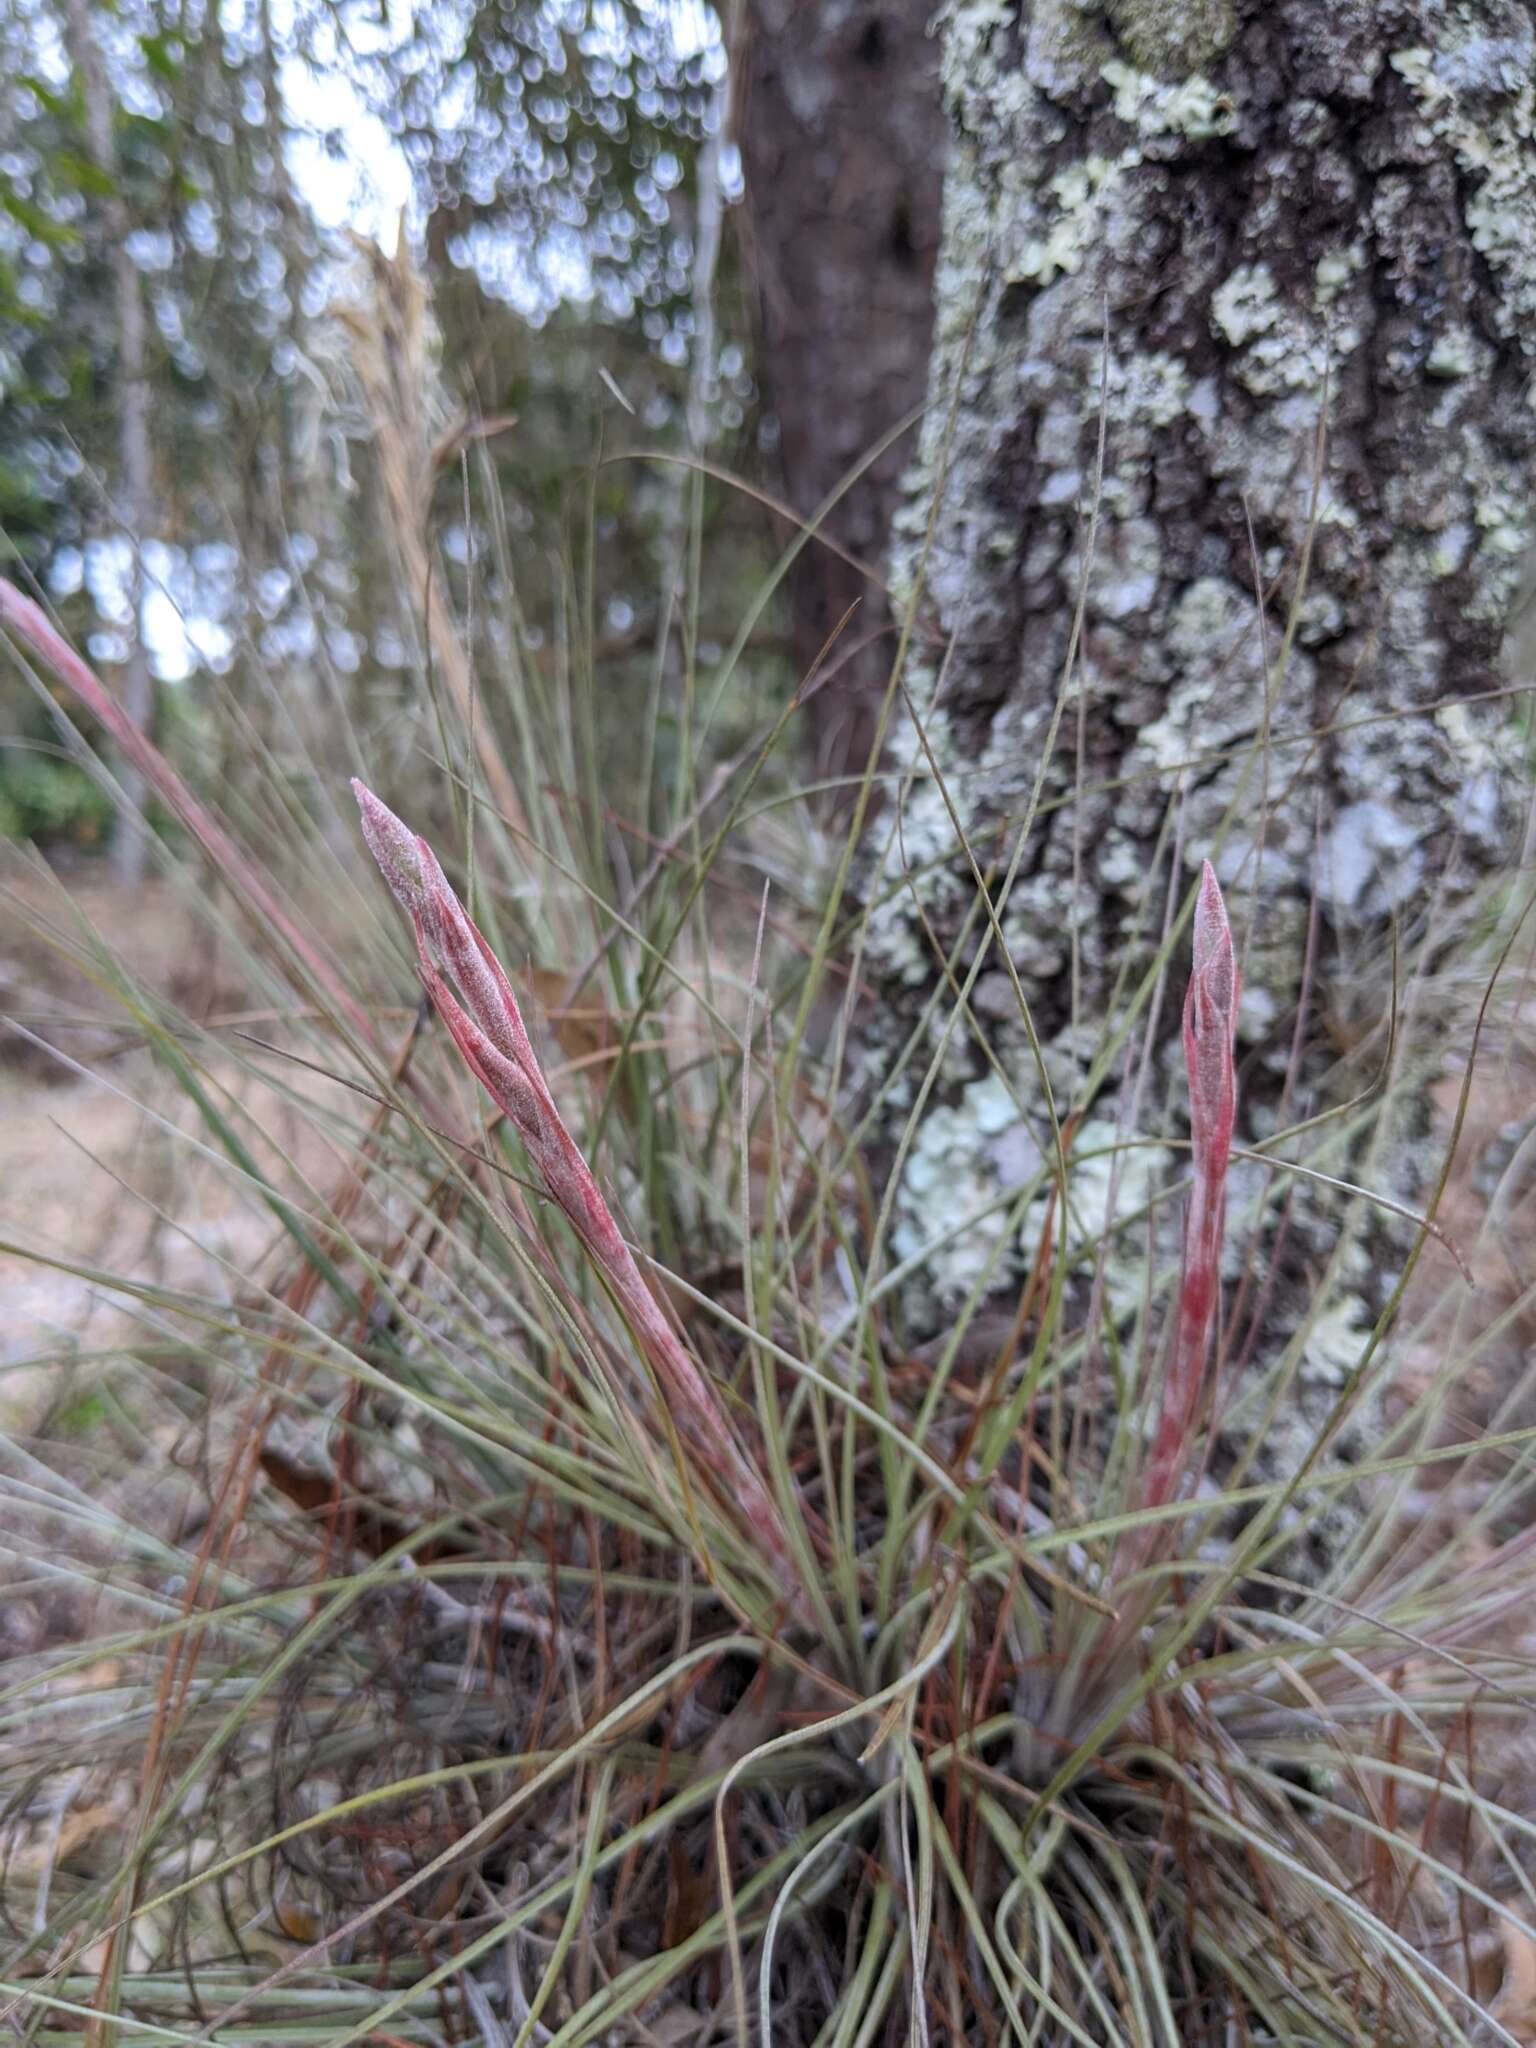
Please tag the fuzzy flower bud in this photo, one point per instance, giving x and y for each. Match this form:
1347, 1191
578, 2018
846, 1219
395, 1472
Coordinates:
1210, 1025
394, 847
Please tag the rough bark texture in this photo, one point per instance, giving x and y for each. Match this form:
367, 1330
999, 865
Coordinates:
843, 136
1246, 193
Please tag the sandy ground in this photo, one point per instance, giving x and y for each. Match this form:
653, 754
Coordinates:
101, 1161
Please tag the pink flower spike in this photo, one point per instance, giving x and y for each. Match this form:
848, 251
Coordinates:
486, 1026
488, 995
1210, 1024
395, 848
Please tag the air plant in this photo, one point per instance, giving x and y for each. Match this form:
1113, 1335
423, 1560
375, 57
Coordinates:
487, 1027
1210, 1021
466, 1750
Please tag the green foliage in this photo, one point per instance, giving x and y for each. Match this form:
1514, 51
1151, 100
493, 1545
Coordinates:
165, 54
557, 138
551, 137
45, 799
39, 224
224, 256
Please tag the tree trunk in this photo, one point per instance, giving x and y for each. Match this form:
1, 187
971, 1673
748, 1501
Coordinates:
842, 135
135, 480
1210, 225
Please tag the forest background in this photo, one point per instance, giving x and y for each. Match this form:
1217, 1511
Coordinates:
908, 1480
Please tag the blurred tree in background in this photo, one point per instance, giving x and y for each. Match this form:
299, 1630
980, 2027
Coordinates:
158, 270
556, 145
843, 134
569, 166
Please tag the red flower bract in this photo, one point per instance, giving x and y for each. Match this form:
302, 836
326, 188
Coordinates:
475, 1000
1210, 1022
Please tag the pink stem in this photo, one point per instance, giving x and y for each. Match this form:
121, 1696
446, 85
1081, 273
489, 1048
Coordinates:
26, 620
1210, 1020
487, 1027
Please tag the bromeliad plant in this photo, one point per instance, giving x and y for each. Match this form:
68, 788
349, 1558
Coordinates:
1210, 1027
487, 1026
561, 1697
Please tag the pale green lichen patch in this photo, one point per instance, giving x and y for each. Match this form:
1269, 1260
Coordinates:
1371, 861
1039, 942
1193, 107
1065, 45
1336, 268
969, 1158
1111, 1178
1218, 697
1502, 513
1450, 549
1126, 569
1477, 92
1153, 389
1453, 355
1075, 200
1246, 304
1417, 67
1335, 1342
1057, 227
976, 1155
1284, 347
916, 870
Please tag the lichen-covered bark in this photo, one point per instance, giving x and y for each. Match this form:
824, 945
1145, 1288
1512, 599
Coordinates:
1265, 204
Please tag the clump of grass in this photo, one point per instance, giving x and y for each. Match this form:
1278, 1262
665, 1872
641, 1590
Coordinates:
579, 1614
